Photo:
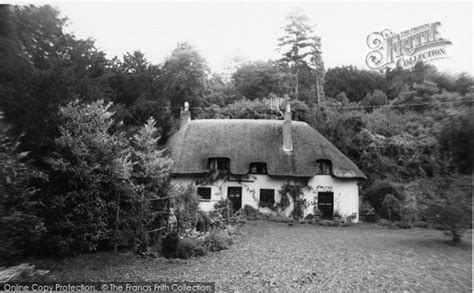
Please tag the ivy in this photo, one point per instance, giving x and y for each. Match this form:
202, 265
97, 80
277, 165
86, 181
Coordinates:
296, 193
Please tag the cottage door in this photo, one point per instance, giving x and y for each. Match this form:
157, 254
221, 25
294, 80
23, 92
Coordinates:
326, 203
235, 196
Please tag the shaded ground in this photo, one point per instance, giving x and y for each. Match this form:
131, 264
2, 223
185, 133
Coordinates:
274, 256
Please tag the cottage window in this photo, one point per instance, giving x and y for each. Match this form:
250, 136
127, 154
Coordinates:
267, 197
258, 168
323, 167
204, 193
219, 164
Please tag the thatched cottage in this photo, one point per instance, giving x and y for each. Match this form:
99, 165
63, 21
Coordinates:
248, 161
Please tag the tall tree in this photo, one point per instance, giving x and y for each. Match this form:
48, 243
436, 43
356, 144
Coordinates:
301, 49
136, 89
184, 76
42, 67
259, 79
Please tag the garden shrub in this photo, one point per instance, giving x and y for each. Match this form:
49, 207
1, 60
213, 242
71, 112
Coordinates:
169, 245
403, 225
174, 247
185, 248
225, 208
447, 203
421, 224
185, 204
391, 205
367, 213
383, 223
21, 227
218, 240
375, 195
203, 222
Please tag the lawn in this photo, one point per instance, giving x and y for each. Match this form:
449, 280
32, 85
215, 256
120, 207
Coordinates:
271, 256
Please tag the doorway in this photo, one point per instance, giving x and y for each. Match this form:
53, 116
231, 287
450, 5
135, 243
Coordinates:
326, 204
235, 196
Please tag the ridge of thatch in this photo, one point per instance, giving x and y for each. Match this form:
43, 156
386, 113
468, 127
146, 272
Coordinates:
244, 141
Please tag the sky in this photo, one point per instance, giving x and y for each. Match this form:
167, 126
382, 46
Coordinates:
222, 30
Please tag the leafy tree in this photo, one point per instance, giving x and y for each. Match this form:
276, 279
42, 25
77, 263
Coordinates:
384, 197
184, 76
21, 228
391, 205
447, 202
354, 82
149, 176
220, 92
377, 98
135, 84
259, 79
41, 67
91, 171
301, 50
456, 141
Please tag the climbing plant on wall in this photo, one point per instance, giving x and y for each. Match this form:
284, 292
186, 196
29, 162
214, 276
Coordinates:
295, 191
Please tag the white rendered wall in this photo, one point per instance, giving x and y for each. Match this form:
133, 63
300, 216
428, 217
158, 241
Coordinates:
346, 192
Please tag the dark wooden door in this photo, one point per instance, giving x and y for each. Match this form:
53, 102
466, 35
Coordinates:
235, 196
326, 204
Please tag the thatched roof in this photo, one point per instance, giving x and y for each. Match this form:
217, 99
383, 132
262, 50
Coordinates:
245, 141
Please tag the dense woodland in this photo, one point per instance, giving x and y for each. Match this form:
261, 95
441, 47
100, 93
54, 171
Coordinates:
82, 163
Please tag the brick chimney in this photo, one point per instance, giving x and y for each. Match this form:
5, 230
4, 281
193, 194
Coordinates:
287, 140
185, 115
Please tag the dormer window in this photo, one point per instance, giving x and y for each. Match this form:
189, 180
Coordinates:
258, 168
219, 164
323, 167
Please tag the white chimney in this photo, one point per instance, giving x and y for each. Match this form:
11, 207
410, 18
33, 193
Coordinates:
185, 115
287, 140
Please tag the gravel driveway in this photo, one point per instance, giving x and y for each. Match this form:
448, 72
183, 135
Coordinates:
274, 256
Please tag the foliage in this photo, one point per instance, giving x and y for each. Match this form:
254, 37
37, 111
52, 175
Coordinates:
225, 208
106, 189
150, 174
391, 205
257, 80
185, 204
169, 245
218, 240
447, 202
21, 226
456, 141
377, 193
42, 67
367, 212
295, 191
355, 83
183, 76
89, 170
135, 84
377, 98
301, 50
